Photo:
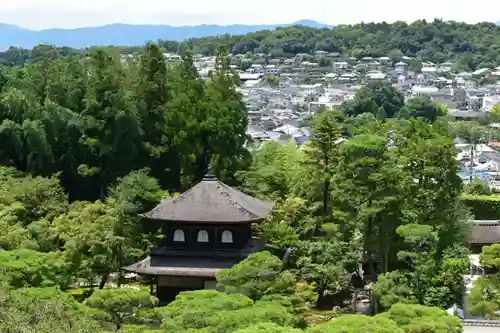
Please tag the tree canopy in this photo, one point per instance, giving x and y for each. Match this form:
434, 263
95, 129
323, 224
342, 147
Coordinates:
372, 201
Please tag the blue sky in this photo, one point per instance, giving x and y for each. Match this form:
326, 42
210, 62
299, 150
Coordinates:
40, 14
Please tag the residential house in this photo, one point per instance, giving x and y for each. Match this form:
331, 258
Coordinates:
328, 102
249, 77
464, 115
348, 77
352, 60
374, 65
330, 77
428, 67
340, 65
474, 98
384, 60
374, 76
400, 67
255, 68
271, 70
481, 72
489, 102
446, 67
423, 91
172, 57
333, 55
320, 53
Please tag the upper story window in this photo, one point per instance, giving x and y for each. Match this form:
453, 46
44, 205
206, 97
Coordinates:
202, 236
179, 235
227, 237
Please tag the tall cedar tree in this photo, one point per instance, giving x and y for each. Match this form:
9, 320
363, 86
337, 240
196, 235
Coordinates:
112, 129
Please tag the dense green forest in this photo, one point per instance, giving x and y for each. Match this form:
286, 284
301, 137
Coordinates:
472, 46
95, 119
89, 142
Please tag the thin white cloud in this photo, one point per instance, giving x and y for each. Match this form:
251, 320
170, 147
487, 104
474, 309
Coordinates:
40, 14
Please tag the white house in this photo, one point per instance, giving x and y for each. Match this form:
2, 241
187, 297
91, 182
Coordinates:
340, 65
489, 102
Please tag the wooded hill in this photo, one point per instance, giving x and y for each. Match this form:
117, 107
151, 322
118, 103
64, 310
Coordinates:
472, 46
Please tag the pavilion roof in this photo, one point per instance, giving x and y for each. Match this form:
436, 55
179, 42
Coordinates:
211, 201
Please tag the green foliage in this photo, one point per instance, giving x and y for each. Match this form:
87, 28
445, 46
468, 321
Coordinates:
422, 107
268, 328
374, 196
94, 118
27, 206
211, 311
378, 99
428, 280
29, 268
137, 329
478, 187
421, 319
357, 323
484, 295
289, 223
471, 132
260, 274
392, 288
45, 310
121, 305
326, 263
275, 171
465, 44
90, 244
374, 192
483, 207
101, 237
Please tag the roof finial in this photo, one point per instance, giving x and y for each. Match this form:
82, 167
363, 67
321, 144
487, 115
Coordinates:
210, 174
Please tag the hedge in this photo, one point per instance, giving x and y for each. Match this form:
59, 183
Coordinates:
483, 207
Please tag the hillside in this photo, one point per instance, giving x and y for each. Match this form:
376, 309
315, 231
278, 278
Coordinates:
471, 45
124, 34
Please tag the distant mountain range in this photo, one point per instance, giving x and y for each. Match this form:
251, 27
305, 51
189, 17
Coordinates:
125, 34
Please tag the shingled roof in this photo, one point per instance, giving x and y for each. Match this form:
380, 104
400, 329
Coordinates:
180, 267
211, 201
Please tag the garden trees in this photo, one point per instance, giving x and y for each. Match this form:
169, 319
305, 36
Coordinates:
212, 311
377, 99
268, 328
275, 171
426, 280
370, 198
484, 294
119, 306
365, 188
421, 107
42, 310
97, 118
30, 268
258, 275
422, 319
98, 237
27, 207
357, 323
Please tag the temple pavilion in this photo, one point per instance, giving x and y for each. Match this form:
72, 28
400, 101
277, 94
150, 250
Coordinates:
206, 228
